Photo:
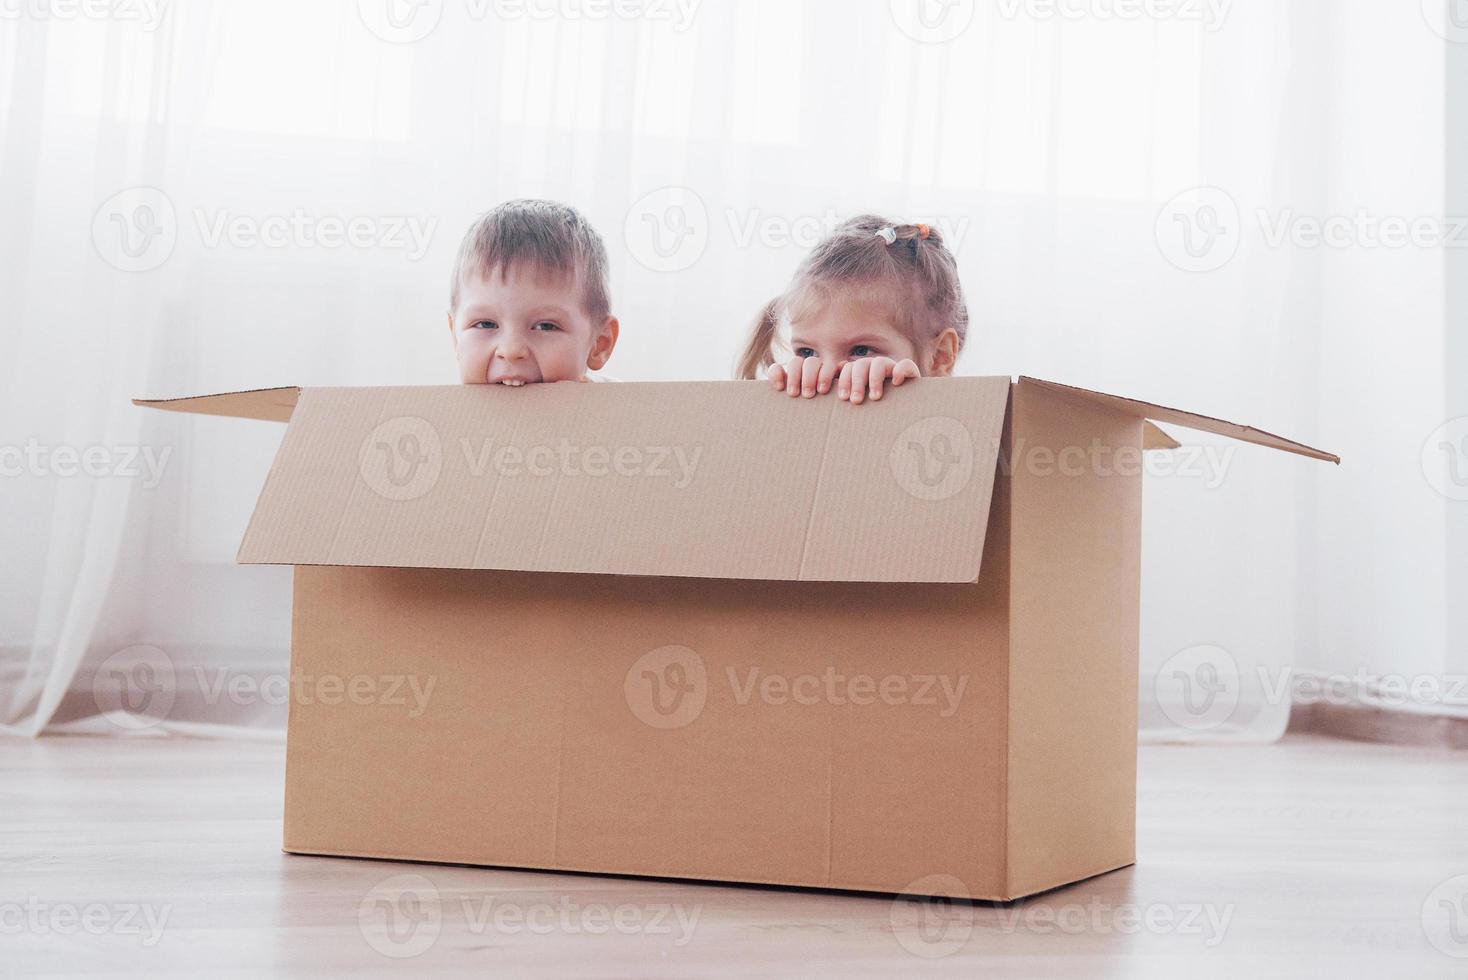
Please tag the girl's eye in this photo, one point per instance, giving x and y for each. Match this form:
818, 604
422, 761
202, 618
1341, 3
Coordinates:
485, 325
804, 352
546, 326
863, 350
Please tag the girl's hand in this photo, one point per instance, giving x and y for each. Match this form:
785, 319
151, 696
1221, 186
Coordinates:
803, 376
865, 376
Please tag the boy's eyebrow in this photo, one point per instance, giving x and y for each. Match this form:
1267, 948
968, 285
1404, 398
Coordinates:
548, 312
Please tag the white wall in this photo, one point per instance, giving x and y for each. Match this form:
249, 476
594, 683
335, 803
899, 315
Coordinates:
1381, 534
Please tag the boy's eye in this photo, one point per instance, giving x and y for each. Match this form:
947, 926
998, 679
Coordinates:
863, 350
484, 325
804, 352
546, 325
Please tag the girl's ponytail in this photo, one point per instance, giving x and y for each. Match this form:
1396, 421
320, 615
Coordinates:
759, 352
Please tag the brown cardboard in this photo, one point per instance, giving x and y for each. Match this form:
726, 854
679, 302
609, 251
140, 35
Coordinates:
926, 544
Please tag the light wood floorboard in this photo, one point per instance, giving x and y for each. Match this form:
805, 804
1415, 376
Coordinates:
1310, 858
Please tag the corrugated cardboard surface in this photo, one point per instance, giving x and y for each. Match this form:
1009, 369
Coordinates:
716, 479
1189, 420
531, 752
1075, 609
524, 697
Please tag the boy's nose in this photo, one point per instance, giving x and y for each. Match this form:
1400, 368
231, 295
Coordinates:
510, 349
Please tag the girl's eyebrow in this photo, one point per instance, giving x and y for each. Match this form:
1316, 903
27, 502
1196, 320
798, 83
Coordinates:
864, 340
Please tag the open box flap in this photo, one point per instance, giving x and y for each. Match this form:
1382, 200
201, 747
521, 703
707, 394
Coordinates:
266, 404
1155, 437
637, 479
1188, 420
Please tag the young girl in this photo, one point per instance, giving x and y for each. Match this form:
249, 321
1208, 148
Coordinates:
874, 302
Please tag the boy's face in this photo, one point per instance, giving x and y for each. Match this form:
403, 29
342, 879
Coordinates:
526, 328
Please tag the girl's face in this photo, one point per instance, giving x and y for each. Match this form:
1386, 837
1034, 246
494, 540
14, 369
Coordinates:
845, 328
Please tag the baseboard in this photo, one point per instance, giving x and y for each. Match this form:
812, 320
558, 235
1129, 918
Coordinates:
1363, 723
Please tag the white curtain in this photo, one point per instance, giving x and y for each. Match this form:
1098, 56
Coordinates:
209, 196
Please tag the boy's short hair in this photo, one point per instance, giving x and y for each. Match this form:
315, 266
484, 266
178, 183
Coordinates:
545, 236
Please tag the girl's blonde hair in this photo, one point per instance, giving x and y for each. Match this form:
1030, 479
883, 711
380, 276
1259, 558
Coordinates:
907, 267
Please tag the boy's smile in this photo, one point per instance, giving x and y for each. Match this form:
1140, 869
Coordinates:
524, 328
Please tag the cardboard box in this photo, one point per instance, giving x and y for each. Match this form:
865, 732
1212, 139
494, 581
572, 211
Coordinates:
705, 631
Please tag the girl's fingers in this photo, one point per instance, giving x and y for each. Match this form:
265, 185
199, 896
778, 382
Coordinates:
809, 374
860, 372
827, 375
843, 383
777, 377
881, 370
905, 369
793, 371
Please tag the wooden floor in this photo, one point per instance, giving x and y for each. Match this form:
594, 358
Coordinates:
1308, 858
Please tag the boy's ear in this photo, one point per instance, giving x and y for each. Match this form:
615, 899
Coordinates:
601, 347
945, 355
453, 334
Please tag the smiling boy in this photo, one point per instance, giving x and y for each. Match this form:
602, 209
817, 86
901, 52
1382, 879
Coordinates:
529, 300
